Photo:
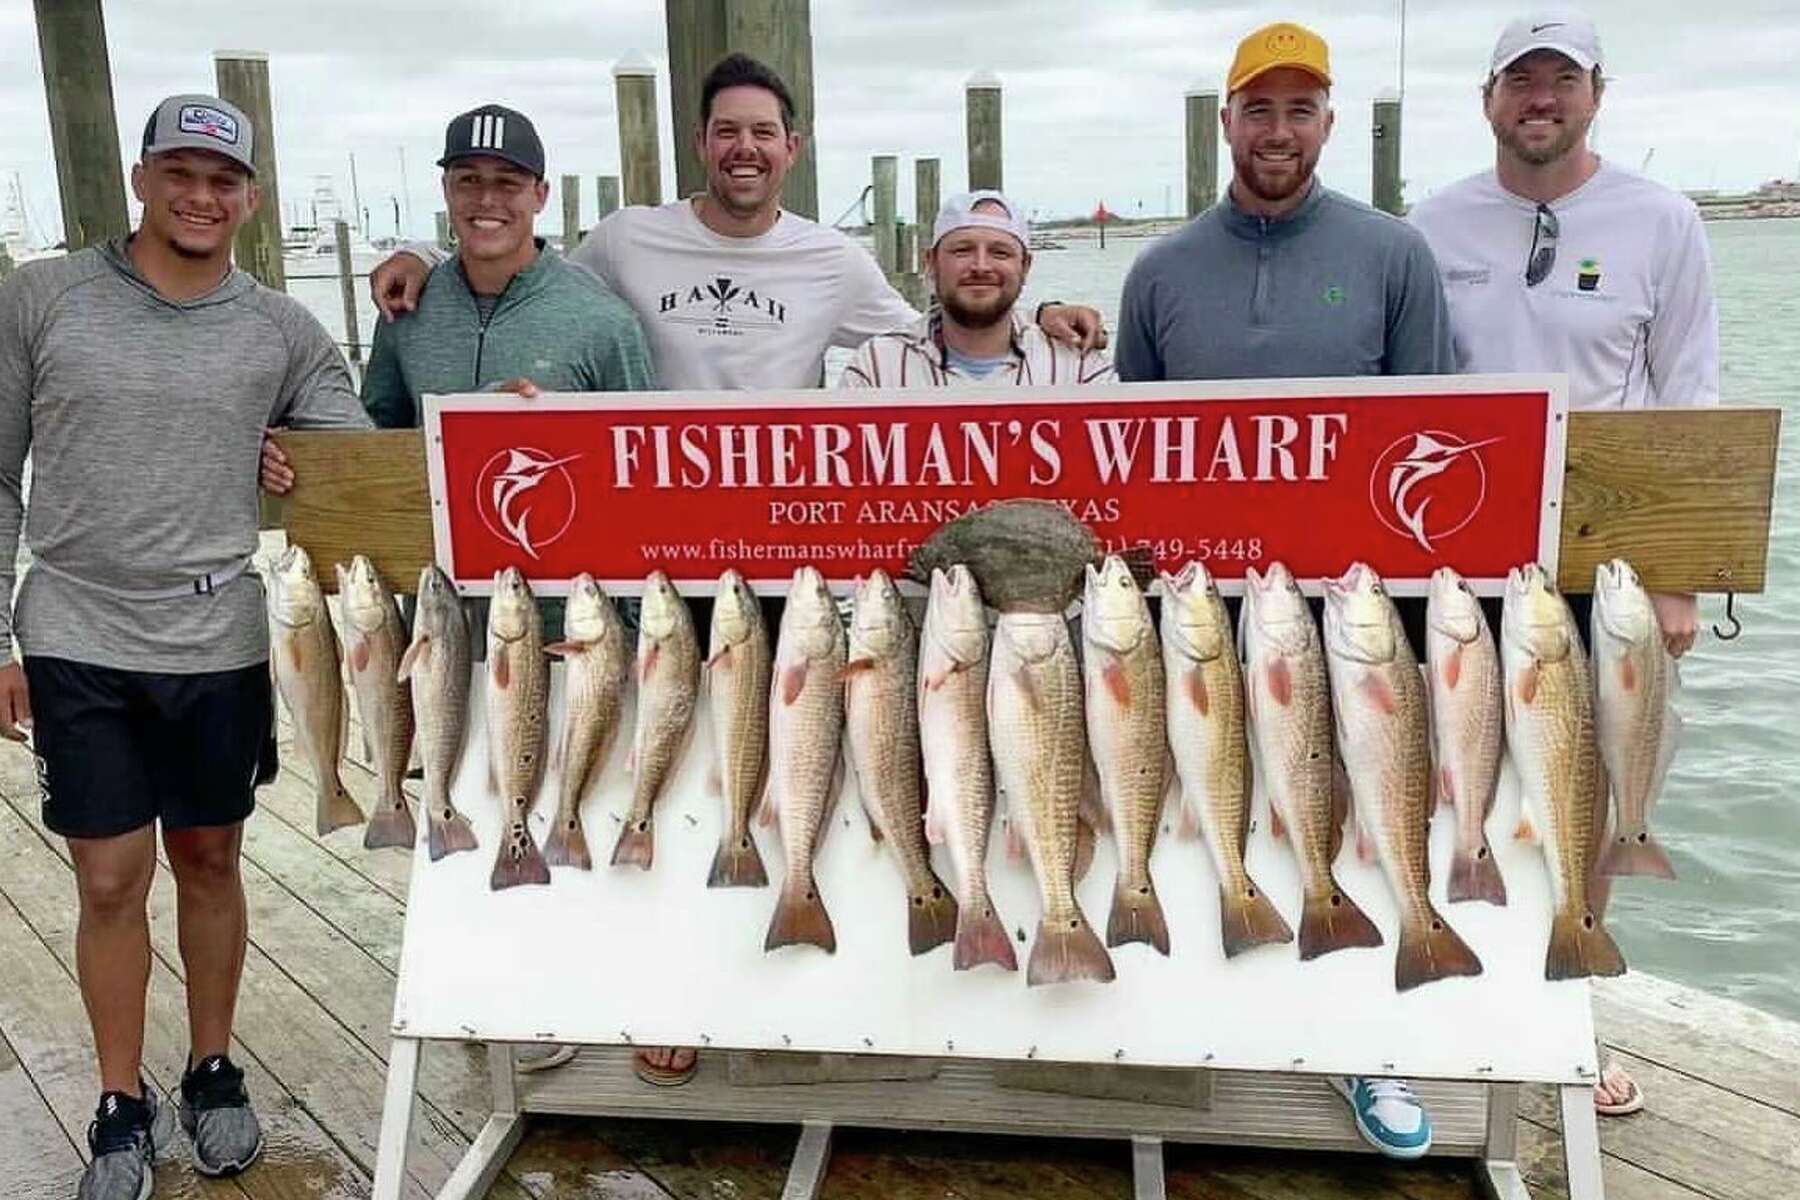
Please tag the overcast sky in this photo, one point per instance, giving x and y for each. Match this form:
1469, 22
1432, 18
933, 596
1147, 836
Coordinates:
1093, 97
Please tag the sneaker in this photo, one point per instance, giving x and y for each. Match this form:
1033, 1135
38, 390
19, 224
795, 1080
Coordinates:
123, 1138
1388, 1115
215, 1112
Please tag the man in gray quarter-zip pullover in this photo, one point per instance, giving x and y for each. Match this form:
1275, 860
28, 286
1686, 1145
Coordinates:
506, 308
1285, 278
139, 377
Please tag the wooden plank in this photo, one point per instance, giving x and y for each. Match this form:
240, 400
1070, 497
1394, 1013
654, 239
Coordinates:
1685, 494
1730, 1044
1178, 1087
39, 1154
290, 800
1541, 1160
773, 1068
812, 1158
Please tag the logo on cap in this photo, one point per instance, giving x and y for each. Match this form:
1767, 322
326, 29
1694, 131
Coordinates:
208, 122
1285, 43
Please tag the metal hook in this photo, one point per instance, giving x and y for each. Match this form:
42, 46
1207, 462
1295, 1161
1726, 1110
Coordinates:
1737, 626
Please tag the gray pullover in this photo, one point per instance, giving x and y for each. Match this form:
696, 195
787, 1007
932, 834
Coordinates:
1334, 288
143, 417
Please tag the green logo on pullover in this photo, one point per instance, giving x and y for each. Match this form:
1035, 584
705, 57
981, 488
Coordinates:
1334, 294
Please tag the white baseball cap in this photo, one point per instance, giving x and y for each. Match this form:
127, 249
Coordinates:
959, 212
1568, 33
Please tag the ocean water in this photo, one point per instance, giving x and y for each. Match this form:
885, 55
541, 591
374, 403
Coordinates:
1730, 817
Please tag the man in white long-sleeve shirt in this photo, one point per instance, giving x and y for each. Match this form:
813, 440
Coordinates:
1558, 261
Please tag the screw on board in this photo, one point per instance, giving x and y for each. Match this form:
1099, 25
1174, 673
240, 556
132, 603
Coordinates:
705, 1040
690, 819
1118, 1054
1207, 1057
624, 1037
949, 1046
786, 1040
1299, 1062
1031, 1053
869, 1042
1583, 1072
1485, 1069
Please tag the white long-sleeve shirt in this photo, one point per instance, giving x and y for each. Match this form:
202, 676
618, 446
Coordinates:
1627, 312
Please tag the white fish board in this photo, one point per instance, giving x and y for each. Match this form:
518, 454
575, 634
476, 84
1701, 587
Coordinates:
618, 955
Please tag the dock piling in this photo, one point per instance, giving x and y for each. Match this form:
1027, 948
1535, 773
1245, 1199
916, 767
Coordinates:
925, 204
1386, 192
243, 77
606, 195
347, 286
640, 154
1202, 104
443, 230
885, 170
83, 130
982, 106
571, 212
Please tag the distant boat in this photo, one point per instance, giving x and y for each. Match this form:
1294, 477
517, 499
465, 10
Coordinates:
317, 238
19, 240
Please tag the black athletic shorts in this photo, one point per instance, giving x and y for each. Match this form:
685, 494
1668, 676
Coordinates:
119, 749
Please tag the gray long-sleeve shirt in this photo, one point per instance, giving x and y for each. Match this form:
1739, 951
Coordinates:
1334, 288
143, 417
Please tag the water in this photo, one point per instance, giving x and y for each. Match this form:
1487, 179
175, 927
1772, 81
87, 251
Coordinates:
1731, 923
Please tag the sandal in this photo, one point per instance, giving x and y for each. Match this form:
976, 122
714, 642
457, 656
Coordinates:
649, 1072
1634, 1096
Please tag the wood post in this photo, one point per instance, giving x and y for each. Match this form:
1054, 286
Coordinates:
1386, 191
443, 230
640, 155
606, 195
571, 205
981, 101
78, 86
243, 77
347, 285
926, 199
1202, 149
777, 33
885, 170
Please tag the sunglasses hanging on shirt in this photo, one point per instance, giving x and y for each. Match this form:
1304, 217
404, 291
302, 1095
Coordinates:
1542, 259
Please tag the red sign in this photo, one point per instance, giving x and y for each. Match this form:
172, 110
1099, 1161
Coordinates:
1405, 474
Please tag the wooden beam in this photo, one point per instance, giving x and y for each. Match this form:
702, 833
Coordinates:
243, 77
1385, 133
1202, 104
640, 155
1684, 494
982, 103
83, 129
884, 170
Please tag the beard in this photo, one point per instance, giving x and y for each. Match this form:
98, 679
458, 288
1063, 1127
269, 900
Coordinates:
1274, 188
979, 316
1568, 135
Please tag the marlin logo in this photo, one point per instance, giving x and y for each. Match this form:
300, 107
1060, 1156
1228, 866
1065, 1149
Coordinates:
1409, 464
521, 484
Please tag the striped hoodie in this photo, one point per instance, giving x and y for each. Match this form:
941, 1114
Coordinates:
914, 357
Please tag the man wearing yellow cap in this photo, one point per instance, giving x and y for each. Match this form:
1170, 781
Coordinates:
1283, 277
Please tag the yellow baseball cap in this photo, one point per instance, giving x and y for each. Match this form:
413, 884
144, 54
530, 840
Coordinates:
1283, 44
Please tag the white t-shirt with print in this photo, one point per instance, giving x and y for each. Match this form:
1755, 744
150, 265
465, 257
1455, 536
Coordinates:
731, 312
1627, 311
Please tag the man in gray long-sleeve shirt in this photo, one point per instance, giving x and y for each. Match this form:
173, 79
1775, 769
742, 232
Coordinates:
139, 377
1286, 278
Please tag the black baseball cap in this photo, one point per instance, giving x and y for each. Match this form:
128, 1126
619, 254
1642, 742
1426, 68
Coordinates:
494, 131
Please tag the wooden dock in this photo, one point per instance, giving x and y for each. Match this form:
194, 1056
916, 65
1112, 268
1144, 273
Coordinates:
1722, 1080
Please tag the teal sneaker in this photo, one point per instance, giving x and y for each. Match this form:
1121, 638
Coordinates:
1388, 1116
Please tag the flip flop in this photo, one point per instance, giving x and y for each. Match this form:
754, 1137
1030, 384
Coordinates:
555, 1057
1633, 1102
663, 1076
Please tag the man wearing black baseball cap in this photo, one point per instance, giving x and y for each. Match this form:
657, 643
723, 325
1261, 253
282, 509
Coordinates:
139, 376
534, 321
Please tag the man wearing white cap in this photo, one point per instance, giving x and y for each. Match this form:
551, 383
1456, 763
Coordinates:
979, 258
1558, 261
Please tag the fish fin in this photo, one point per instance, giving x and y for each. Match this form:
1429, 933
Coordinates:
637, 843
1187, 819
737, 863
1333, 921
1091, 806
767, 810
417, 653
1580, 947
800, 918
1066, 951
1340, 804
1028, 687
296, 657
1196, 691
931, 917
1249, 919
1117, 682
1280, 680
1379, 691
1452, 671
1525, 831
391, 826
360, 652
981, 938
1474, 875
1277, 827
723, 654
715, 781
1137, 916
336, 809
566, 649
858, 666
938, 679
647, 661
1431, 950
520, 861
1446, 788
1015, 841
935, 833
1528, 683
1365, 845
567, 844
793, 682
1085, 838
448, 832
1628, 675
500, 670
1641, 854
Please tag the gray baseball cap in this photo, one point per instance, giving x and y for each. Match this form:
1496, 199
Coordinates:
1569, 34
197, 122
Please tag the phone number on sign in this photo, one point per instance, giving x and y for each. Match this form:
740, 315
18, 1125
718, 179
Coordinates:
1179, 550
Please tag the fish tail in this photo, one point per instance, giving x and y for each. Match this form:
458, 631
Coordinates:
335, 808
981, 938
447, 831
567, 844
1430, 949
1636, 854
1474, 875
1065, 950
800, 918
637, 844
1137, 916
520, 861
930, 916
1332, 921
392, 826
738, 863
1249, 919
1580, 947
